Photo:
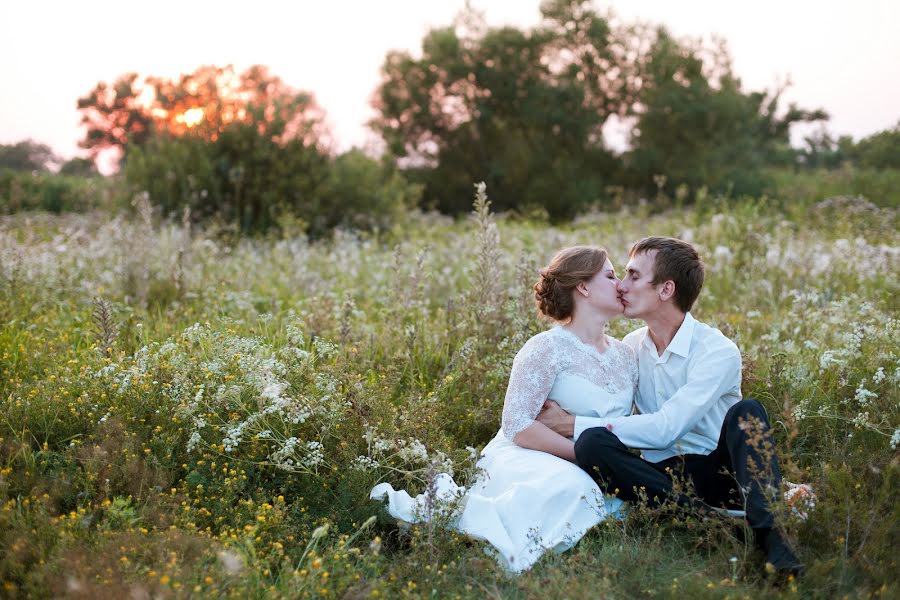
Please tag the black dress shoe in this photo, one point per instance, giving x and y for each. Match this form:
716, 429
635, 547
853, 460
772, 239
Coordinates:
780, 557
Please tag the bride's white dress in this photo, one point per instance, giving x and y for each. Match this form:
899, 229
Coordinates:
524, 501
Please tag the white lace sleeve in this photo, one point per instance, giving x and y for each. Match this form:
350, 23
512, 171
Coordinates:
533, 373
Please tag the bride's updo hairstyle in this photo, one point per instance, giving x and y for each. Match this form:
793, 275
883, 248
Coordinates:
554, 290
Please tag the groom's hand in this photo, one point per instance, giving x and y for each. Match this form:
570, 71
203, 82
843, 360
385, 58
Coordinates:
554, 417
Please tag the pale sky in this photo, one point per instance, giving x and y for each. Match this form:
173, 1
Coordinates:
843, 56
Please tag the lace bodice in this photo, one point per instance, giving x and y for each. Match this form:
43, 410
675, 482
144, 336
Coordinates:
556, 364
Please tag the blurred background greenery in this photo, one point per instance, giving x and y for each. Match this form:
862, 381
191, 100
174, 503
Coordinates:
522, 109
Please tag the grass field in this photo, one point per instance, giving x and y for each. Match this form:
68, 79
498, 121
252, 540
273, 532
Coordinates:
188, 412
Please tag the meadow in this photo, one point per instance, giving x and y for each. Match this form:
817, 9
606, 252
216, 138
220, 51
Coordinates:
186, 411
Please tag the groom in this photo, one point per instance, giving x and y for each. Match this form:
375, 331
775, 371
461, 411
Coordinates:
692, 422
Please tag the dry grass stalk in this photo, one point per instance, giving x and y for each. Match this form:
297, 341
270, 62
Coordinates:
106, 327
486, 279
181, 257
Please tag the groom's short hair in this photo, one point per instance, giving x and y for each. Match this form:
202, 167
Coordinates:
675, 260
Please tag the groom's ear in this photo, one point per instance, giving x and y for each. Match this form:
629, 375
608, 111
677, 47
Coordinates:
667, 290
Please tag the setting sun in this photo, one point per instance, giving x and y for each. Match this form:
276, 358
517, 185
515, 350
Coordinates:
190, 117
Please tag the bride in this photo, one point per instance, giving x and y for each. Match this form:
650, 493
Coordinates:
530, 495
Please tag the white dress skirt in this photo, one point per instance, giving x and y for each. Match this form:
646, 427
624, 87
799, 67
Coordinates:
525, 502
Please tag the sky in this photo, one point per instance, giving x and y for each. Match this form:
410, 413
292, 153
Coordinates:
843, 56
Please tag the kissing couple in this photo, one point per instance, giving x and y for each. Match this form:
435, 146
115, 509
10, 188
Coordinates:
579, 400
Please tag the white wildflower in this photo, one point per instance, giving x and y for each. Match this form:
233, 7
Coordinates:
272, 391
863, 395
414, 451
861, 419
364, 463
194, 440
315, 454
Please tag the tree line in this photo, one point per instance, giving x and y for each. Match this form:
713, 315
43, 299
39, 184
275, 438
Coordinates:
522, 109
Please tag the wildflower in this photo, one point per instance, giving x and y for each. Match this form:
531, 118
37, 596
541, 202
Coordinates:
231, 561
863, 395
193, 441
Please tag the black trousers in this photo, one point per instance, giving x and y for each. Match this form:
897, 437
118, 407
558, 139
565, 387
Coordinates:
742, 472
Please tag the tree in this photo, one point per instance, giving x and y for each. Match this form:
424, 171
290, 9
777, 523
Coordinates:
520, 110
243, 146
115, 116
696, 126
880, 150
129, 113
27, 155
249, 172
821, 150
82, 167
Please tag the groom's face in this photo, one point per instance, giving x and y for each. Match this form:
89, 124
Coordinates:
638, 295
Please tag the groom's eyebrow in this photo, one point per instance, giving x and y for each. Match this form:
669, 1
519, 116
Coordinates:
634, 272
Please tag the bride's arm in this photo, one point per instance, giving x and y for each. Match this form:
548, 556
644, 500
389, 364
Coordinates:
538, 436
533, 373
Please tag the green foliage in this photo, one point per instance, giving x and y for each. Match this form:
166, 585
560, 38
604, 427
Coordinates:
84, 167
57, 193
26, 155
879, 186
879, 151
362, 193
244, 176
821, 150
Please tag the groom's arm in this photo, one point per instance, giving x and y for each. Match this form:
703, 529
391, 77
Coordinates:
711, 375
556, 419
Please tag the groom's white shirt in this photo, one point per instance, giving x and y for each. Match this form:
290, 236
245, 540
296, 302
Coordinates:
682, 395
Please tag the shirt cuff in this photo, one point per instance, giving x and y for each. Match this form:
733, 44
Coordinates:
584, 423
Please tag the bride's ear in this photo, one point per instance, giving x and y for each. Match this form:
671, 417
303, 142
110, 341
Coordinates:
582, 288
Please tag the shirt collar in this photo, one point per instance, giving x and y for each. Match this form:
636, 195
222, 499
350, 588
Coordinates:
681, 343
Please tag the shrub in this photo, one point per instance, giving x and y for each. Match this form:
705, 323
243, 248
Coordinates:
20, 191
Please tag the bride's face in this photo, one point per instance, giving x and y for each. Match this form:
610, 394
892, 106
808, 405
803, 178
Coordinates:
601, 291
